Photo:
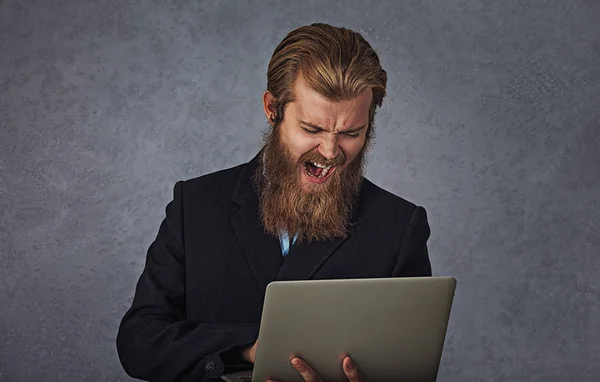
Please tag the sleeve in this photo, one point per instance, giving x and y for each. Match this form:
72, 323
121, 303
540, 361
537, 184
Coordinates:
413, 258
155, 342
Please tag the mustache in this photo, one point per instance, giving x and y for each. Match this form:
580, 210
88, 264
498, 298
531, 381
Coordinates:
314, 156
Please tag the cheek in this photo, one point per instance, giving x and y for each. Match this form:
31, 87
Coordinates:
299, 144
352, 148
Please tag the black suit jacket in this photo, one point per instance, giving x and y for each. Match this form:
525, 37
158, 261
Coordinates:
199, 299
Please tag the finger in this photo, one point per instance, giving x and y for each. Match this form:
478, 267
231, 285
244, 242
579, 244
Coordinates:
305, 370
351, 370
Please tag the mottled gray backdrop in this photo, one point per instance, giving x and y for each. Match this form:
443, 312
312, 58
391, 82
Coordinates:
492, 122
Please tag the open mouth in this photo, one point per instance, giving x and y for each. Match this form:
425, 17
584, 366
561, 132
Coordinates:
318, 171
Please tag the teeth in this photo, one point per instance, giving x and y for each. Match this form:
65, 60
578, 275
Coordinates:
324, 172
324, 169
319, 165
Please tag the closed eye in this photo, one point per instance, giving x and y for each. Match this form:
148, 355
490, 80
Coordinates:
314, 130
310, 131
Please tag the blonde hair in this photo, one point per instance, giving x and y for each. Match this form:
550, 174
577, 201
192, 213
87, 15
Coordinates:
336, 62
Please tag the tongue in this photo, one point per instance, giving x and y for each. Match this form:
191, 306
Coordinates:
315, 171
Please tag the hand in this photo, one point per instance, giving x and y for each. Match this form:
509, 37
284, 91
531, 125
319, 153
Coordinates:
309, 375
249, 354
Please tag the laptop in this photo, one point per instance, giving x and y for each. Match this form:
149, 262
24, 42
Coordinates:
392, 328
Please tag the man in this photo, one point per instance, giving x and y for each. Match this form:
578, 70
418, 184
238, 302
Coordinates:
301, 209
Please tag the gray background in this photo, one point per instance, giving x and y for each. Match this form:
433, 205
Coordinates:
492, 123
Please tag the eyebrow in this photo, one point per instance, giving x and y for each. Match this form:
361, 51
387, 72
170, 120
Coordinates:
353, 130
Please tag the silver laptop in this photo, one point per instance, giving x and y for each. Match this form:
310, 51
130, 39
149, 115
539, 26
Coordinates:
393, 328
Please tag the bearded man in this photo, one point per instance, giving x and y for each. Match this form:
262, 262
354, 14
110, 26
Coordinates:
301, 209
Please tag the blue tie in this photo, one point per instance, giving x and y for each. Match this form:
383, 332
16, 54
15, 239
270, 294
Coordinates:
284, 240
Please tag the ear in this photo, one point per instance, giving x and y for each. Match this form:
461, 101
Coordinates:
268, 102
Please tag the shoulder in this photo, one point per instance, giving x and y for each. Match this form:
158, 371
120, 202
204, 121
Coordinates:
207, 197
385, 209
217, 181
207, 189
388, 212
377, 198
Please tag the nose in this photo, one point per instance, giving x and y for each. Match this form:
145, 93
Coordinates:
329, 147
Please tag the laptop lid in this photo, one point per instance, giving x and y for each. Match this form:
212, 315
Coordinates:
393, 328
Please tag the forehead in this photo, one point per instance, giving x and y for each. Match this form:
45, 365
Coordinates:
312, 107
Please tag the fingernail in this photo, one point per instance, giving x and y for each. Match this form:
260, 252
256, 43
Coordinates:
295, 362
350, 364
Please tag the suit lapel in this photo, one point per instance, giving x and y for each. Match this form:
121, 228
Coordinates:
262, 251
305, 259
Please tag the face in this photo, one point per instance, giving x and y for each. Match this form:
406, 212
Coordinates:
322, 136
312, 165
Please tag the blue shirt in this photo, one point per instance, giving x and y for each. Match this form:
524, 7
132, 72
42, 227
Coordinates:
284, 240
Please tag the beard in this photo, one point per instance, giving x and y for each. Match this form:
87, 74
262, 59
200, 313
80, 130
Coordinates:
314, 212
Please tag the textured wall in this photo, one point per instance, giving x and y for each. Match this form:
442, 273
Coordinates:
492, 123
